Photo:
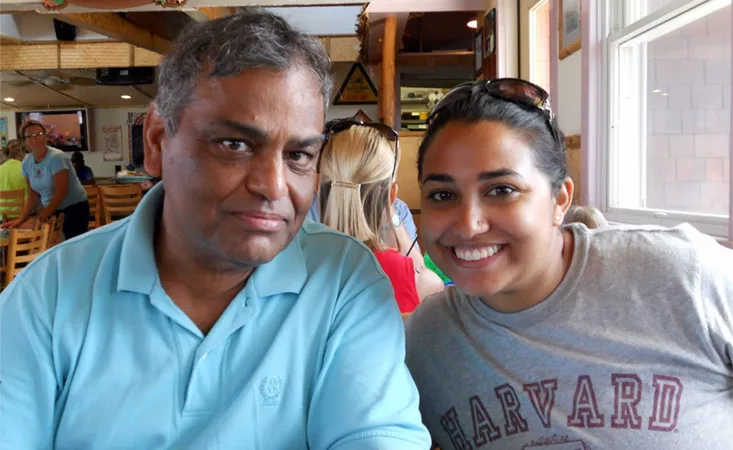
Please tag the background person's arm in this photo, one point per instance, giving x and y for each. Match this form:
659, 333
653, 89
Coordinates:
31, 201
365, 398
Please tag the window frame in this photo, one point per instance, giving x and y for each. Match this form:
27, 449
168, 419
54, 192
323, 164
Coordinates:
613, 18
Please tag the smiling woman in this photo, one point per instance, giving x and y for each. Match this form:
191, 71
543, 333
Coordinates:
575, 322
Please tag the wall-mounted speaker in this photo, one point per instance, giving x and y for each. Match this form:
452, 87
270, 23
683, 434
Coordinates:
64, 31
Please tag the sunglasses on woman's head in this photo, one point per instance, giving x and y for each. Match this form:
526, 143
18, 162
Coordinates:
342, 125
510, 89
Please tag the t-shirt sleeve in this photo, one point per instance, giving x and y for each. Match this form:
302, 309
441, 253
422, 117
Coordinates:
56, 164
716, 293
406, 217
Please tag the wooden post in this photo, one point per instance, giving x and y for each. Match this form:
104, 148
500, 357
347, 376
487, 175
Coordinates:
387, 98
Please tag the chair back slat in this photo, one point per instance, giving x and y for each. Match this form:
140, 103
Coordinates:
57, 226
24, 247
119, 201
95, 207
11, 204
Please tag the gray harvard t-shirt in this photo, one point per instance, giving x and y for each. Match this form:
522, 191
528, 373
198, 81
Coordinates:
632, 351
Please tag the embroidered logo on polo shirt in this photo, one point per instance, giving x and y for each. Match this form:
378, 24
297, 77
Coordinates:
271, 389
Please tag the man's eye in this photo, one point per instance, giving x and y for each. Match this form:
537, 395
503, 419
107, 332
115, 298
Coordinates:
300, 156
234, 145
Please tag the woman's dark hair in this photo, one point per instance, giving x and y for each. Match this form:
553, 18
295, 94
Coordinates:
533, 124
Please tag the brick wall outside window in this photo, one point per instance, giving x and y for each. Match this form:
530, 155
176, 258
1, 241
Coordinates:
688, 121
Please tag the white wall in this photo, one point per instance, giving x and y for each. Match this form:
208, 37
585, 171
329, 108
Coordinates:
569, 90
9, 114
106, 117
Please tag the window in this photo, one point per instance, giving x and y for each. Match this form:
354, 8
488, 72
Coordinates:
669, 113
539, 44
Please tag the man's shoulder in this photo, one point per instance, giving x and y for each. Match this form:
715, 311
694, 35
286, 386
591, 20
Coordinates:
77, 260
324, 246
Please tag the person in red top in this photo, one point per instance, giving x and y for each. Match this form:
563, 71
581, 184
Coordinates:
357, 190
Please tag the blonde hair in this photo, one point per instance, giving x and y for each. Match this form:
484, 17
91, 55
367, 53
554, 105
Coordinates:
356, 177
588, 215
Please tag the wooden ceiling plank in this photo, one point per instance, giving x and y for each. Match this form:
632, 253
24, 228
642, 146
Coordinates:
79, 55
145, 58
29, 56
205, 13
75, 55
116, 27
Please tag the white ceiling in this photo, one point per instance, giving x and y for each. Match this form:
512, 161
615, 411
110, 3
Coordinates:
322, 20
36, 89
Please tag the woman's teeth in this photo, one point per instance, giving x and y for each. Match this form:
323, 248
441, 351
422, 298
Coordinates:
476, 253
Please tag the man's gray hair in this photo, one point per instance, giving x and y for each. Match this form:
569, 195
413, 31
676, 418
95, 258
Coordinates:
250, 39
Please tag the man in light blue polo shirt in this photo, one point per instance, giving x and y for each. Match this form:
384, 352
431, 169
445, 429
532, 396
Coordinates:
212, 318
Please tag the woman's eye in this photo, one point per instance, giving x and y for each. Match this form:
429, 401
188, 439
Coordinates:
235, 145
440, 196
499, 191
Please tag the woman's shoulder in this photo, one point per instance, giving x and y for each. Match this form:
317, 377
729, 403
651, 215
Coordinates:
645, 248
438, 311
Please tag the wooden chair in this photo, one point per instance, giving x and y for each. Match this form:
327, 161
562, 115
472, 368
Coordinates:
57, 227
24, 247
95, 207
119, 201
12, 203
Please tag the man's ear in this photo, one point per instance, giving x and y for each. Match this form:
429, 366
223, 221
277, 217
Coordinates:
155, 139
563, 201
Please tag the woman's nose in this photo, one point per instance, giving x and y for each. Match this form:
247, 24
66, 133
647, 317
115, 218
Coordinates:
471, 221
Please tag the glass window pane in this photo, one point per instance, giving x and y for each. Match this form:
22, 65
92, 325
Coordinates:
539, 29
675, 153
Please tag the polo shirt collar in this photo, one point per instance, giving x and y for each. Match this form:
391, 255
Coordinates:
286, 273
138, 271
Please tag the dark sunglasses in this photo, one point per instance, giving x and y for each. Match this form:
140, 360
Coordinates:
342, 125
512, 90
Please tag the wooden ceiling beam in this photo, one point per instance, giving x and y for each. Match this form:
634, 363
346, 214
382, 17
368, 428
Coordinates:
94, 55
117, 28
209, 13
75, 55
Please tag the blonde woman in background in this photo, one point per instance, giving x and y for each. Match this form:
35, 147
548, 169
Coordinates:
357, 191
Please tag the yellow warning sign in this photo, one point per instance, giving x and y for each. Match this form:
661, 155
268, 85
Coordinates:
357, 88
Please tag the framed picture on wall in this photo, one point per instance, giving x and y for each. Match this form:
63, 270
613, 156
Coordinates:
478, 54
568, 23
490, 33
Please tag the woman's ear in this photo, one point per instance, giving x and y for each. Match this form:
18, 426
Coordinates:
393, 193
155, 138
563, 201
